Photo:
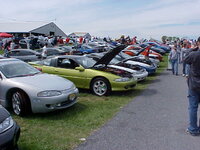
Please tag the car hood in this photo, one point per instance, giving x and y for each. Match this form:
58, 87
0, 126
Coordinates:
105, 60
137, 63
122, 68
44, 82
4, 114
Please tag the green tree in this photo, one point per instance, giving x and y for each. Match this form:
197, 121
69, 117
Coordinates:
164, 38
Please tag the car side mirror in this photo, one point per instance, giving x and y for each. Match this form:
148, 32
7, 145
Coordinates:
79, 68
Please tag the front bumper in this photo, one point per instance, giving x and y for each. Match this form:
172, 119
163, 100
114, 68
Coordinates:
151, 70
123, 86
141, 76
9, 138
47, 104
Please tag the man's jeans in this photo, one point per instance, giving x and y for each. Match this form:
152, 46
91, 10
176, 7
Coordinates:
185, 68
194, 99
174, 66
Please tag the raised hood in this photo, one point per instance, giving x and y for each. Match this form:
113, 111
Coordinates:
105, 60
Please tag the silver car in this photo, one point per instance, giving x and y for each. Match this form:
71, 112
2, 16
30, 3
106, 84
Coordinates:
26, 55
27, 90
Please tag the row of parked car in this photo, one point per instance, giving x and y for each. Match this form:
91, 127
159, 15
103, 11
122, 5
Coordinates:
49, 84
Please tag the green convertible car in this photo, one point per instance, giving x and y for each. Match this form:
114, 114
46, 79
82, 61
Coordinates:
87, 73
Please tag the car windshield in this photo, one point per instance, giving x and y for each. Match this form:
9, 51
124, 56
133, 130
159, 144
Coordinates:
18, 69
114, 61
86, 62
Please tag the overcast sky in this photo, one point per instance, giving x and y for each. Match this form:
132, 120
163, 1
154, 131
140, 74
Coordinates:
143, 18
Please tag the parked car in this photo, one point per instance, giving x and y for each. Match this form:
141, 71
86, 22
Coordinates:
132, 60
156, 45
9, 131
24, 54
70, 50
137, 71
152, 54
100, 47
52, 52
86, 49
158, 50
86, 73
135, 50
27, 90
24, 43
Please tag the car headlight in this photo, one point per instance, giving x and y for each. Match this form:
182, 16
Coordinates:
49, 93
6, 124
122, 79
73, 87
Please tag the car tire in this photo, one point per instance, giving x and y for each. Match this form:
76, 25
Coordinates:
100, 86
20, 103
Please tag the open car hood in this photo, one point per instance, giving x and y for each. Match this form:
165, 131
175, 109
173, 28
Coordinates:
105, 60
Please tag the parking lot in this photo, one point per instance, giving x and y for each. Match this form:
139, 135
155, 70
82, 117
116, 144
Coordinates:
65, 129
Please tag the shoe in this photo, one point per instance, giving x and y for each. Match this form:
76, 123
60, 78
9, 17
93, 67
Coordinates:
176, 74
197, 133
186, 75
183, 75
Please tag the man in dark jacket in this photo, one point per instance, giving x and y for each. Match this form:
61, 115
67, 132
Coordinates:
193, 59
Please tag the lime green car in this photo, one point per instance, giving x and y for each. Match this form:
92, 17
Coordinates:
86, 73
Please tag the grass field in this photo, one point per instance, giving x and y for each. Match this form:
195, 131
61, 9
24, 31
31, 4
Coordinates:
62, 130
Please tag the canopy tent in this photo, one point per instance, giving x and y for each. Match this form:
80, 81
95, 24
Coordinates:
5, 35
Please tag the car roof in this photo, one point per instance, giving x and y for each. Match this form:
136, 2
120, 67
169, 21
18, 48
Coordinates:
69, 56
23, 50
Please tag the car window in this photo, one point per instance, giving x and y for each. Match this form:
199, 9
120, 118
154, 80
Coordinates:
52, 52
25, 53
28, 53
46, 62
14, 53
67, 63
86, 62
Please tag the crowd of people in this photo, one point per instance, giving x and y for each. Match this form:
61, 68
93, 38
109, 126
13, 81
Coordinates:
179, 50
187, 53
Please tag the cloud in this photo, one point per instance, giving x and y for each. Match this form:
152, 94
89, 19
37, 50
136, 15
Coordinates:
115, 17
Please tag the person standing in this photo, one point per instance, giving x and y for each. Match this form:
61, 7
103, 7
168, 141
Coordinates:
173, 58
193, 59
184, 52
6, 48
44, 51
12, 45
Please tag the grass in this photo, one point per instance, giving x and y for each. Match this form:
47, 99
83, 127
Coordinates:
62, 130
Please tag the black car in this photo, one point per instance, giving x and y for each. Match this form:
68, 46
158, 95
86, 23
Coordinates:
9, 131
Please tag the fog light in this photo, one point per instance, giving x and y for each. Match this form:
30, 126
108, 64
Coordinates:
72, 97
50, 106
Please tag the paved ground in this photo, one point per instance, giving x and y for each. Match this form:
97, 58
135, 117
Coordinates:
155, 120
